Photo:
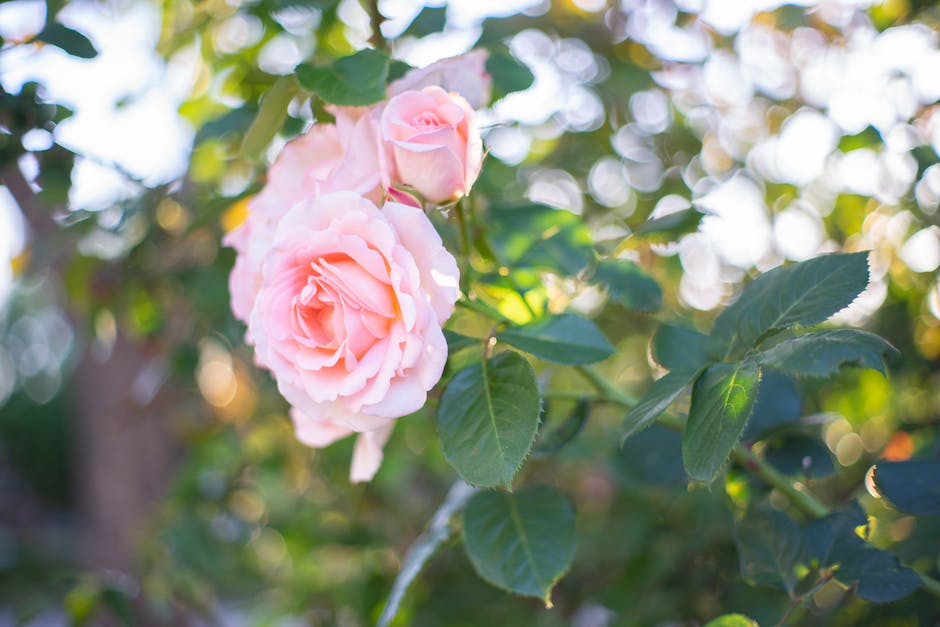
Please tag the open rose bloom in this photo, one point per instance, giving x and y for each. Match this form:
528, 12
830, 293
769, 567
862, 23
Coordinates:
341, 278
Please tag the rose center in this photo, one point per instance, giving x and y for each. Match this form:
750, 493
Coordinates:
427, 121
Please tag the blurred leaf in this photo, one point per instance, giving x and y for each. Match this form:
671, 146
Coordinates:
671, 227
679, 348
271, 115
563, 434
779, 403
538, 236
234, 121
912, 486
71, 41
567, 339
658, 397
429, 20
629, 285
877, 574
732, 620
824, 353
652, 456
804, 293
522, 542
356, 80
488, 417
508, 73
770, 547
722, 400
456, 341
797, 454
397, 69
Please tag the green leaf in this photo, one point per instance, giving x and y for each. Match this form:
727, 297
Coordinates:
356, 80
732, 620
803, 294
271, 116
671, 227
877, 574
679, 348
824, 353
563, 434
537, 236
429, 20
566, 339
457, 341
796, 454
521, 542
652, 457
770, 547
911, 486
629, 285
508, 73
487, 419
660, 395
779, 403
69, 40
722, 400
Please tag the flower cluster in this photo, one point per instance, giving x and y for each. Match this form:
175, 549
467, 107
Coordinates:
340, 276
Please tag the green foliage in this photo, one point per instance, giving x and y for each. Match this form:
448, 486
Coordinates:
488, 417
660, 395
911, 486
430, 20
522, 542
537, 236
770, 547
801, 294
271, 116
824, 353
722, 400
669, 228
562, 435
566, 339
629, 285
508, 74
69, 40
356, 80
732, 620
679, 348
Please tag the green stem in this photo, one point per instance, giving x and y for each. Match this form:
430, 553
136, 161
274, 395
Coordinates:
375, 20
465, 246
605, 387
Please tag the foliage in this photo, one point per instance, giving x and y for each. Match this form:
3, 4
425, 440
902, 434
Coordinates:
605, 453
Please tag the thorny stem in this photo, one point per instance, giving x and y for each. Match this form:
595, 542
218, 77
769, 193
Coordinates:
375, 20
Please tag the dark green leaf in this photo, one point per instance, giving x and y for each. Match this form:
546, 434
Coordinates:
658, 397
722, 400
679, 348
804, 293
487, 419
797, 454
770, 547
671, 227
877, 574
271, 116
563, 434
629, 285
779, 403
521, 542
653, 456
566, 339
356, 80
508, 73
69, 40
537, 236
912, 486
823, 353
732, 620
397, 69
457, 341
429, 20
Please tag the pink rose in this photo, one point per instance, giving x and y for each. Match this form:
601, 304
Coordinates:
349, 312
347, 156
465, 74
434, 141
367, 454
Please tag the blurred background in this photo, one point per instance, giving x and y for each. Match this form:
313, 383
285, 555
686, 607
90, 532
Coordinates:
148, 471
